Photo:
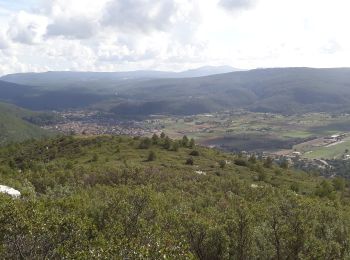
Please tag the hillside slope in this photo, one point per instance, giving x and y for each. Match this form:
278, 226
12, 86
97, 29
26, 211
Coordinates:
122, 198
15, 125
41, 98
286, 90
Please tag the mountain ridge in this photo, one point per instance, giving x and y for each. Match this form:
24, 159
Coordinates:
278, 90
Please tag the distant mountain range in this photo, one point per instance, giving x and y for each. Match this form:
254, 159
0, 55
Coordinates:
284, 90
78, 79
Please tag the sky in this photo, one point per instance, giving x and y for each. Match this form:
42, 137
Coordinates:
120, 35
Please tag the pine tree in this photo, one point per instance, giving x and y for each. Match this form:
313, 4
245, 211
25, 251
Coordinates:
192, 143
167, 143
184, 141
155, 138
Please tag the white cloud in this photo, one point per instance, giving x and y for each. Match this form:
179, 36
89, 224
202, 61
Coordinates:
73, 27
234, 5
27, 28
172, 34
139, 15
4, 41
73, 19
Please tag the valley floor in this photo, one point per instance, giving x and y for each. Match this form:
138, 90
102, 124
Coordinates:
312, 136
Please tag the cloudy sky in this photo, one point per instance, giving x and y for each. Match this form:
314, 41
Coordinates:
112, 35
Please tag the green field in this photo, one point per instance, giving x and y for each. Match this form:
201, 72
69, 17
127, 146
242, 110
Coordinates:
330, 152
243, 130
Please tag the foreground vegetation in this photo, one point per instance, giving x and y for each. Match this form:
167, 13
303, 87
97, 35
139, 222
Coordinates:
155, 198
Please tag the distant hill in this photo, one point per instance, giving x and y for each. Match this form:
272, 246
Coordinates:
281, 90
15, 124
42, 98
285, 90
206, 71
71, 79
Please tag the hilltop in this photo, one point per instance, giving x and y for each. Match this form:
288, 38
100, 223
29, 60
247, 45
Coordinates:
64, 79
122, 197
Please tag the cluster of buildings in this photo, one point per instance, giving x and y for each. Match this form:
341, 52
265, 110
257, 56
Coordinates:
83, 128
94, 123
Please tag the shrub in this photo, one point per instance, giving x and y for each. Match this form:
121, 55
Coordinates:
94, 158
145, 143
262, 176
151, 156
194, 153
240, 162
222, 164
189, 161
295, 187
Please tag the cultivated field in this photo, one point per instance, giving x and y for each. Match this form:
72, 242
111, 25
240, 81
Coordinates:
310, 134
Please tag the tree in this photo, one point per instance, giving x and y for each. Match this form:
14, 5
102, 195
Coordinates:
252, 159
185, 141
167, 143
145, 143
268, 162
284, 164
155, 138
175, 146
241, 232
162, 135
192, 143
339, 184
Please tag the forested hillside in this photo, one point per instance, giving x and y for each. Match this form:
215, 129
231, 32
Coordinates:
64, 79
285, 90
17, 124
155, 198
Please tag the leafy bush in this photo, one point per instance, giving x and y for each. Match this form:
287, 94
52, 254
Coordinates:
189, 161
151, 156
194, 153
240, 162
